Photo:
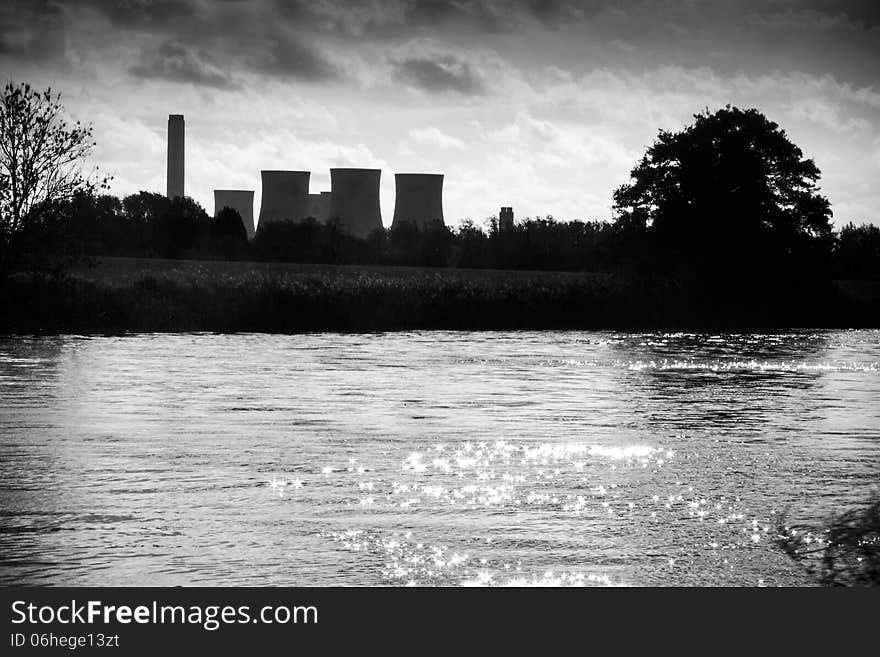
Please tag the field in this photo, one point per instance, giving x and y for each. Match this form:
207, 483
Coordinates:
113, 295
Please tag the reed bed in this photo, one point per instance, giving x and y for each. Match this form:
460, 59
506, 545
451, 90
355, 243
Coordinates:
116, 295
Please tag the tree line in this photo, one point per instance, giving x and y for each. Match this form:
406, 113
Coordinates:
150, 225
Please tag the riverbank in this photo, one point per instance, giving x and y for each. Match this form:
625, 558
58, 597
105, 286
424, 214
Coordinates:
112, 295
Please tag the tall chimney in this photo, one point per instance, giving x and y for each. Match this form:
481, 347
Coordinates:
175, 155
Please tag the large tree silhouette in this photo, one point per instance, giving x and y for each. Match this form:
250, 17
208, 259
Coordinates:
728, 194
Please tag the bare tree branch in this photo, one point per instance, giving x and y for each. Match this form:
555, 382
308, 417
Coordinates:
41, 156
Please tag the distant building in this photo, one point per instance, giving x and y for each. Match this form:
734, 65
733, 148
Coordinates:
418, 199
354, 200
240, 200
319, 206
285, 196
175, 155
505, 219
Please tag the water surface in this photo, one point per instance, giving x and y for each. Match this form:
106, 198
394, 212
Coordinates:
427, 458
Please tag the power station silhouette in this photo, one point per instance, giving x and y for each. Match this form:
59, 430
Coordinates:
419, 198
285, 196
353, 199
240, 200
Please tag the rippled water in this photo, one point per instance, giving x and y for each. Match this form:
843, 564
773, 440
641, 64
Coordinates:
427, 458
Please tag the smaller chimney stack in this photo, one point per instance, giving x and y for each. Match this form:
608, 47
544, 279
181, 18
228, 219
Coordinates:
505, 219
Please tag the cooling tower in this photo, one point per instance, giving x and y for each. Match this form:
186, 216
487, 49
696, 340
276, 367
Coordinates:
240, 200
285, 196
175, 155
419, 198
355, 200
319, 206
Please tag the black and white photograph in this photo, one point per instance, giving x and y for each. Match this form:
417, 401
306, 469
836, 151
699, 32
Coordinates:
421, 293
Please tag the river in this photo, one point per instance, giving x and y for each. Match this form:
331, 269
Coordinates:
428, 458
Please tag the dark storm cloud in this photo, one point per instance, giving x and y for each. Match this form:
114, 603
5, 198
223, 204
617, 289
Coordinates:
285, 54
480, 15
303, 39
398, 16
175, 62
249, 34
392, 16
864, 14
554, 12
178, 40
439, 73
198, 18
153, 15
33, 31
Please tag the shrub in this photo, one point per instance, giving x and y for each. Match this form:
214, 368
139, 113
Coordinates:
845, 552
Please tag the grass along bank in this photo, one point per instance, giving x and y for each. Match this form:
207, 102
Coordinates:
113, 295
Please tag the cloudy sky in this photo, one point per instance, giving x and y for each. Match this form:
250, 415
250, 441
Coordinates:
544, 106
